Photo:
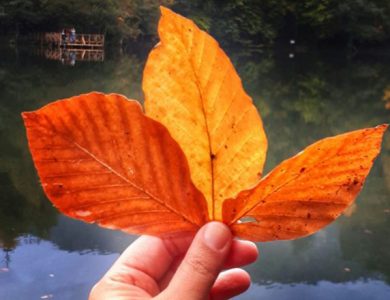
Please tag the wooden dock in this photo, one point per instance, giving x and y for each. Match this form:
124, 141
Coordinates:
70, 56
81, 40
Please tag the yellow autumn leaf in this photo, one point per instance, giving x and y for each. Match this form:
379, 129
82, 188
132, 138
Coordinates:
191, 87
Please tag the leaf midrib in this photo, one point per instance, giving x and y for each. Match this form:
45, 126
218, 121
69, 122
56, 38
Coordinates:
202, 100
244, 212
118, 174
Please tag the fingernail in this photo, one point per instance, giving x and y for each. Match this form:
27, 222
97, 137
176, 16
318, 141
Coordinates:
216, 235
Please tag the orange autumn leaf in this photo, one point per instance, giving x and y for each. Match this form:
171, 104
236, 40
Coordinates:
192, 88
307, 191
197, 155
100, 159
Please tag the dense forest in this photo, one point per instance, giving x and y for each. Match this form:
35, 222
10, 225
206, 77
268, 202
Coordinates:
244, 22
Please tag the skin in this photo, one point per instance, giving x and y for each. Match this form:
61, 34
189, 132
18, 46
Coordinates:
204, 266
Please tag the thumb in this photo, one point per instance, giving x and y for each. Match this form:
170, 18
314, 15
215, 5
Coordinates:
202, 264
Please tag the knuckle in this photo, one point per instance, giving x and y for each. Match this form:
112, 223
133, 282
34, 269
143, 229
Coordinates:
198, 265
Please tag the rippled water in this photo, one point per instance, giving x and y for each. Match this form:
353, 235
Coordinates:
44, 255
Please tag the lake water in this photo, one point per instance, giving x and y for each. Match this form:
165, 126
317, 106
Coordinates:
302, 96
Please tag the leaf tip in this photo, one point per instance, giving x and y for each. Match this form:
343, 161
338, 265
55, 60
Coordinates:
24, 115
165, 10
28, 116
381, 130
383, 127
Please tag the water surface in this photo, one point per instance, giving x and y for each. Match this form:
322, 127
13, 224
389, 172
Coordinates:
312, 95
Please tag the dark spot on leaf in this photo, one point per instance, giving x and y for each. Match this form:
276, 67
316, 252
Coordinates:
226, 146
302, 170
355, 181
308, 215
212, 156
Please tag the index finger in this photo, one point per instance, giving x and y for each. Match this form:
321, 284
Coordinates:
151, 255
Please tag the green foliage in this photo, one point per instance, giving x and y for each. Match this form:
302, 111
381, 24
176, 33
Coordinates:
352, 20
247, 23
364, 20
244, 22
251, 22
119, 20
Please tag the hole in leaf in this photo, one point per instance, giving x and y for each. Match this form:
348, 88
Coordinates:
247, 219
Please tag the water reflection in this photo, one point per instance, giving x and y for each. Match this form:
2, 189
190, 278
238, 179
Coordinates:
72, 235
386, 161
386, 98
318, 94
71, 56
323, 290
42, 271
19, 216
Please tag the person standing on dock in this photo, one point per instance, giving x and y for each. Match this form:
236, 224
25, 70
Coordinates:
63, 38
72, 37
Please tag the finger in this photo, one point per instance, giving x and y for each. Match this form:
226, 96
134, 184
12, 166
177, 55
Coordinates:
241, 253
107, 288
202, 263
166, 279
230, 283
153, 255
145, 262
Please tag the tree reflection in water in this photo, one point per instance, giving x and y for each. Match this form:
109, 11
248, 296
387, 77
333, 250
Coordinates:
311, 96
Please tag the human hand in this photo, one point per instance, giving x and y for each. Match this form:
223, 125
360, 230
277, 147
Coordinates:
185, 267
